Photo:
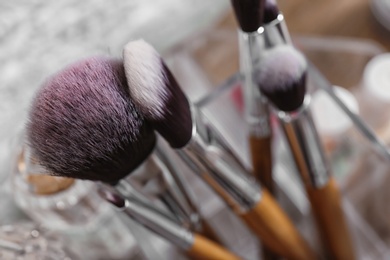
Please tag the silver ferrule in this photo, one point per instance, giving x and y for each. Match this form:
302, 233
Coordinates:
154, 179
256, 105
222, 172
275, 33
305, 145
251, 48
154, 221
163, 226
176, 196
127, 191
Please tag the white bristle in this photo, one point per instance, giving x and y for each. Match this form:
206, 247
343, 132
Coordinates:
280, 67
145, 76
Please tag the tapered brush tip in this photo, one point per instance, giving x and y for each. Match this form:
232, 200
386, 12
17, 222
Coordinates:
156, 93
271, 11
281, 76
249, 14
83, 124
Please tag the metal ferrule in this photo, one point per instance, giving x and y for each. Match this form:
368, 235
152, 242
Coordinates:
275, 33
169, 194
256, 105
251, 47
222, 172
179, 192
305, 145
157, 223
127, 191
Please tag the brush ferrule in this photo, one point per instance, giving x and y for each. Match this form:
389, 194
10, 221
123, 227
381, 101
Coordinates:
127, 191
170, 189
256, 105
275, 33
156, 222
160, 225
251, 47
176, 196
222, 172
305, 145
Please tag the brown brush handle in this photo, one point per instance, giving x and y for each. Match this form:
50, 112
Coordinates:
262, 160
276, 230
261, 154
206, 249
328, 212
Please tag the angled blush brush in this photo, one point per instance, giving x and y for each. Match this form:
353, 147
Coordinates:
282, 78
158, 96
83, 124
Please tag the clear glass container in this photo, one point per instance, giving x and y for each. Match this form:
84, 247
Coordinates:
26, 241
359, 169
72, 208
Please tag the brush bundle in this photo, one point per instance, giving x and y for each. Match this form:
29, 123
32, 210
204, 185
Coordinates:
171, 164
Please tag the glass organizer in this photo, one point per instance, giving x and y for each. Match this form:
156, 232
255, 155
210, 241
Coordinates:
361, 171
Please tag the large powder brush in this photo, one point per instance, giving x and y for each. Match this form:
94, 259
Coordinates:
154, 98
83, 124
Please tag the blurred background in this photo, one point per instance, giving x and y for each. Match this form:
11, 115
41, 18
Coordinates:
198, 38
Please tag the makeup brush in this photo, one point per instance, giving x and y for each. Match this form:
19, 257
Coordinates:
83, 124
256, 106
159, 97
73, 76
282, 78
197, 246
249, 14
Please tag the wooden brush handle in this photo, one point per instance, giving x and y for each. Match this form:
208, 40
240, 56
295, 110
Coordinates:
328, 212
276, 230
262, 160
208, 250
261, 154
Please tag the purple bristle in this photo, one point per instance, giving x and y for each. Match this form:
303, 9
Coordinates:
249, 14
84, 125
271, 11
176, 125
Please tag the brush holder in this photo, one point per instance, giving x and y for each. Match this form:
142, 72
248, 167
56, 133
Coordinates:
71, 207
359, 169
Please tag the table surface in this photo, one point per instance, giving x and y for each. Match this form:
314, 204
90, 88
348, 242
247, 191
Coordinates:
350, 18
